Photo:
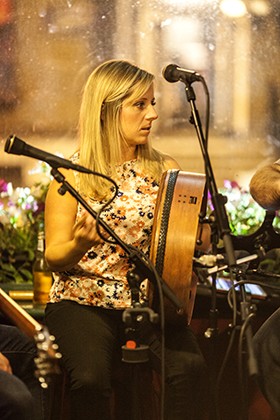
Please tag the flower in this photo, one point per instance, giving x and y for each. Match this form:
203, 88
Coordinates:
244, 214
3, 186
21, 213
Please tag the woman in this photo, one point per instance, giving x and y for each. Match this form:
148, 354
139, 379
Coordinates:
90, 289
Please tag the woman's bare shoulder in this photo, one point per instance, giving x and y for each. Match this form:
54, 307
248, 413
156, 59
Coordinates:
170, 162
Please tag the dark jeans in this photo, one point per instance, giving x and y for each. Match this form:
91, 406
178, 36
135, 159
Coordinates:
90, 340
21, 396
267, 350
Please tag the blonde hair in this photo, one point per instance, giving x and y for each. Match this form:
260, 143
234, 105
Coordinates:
108, 86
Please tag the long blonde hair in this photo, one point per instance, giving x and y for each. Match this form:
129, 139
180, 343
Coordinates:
108, 86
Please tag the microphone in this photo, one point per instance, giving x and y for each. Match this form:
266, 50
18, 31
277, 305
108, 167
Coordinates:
16, 146
173, 73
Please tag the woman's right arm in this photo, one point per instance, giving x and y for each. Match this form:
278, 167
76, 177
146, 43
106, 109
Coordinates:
66, 240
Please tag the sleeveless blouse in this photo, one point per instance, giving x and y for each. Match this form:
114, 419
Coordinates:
99, 279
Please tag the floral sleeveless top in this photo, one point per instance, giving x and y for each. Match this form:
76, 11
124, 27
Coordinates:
99, 279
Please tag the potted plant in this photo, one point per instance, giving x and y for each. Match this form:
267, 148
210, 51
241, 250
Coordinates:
21, 212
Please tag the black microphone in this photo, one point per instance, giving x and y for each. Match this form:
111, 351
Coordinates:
16, 146
173, 73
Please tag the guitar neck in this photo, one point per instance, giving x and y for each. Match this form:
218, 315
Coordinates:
18, 315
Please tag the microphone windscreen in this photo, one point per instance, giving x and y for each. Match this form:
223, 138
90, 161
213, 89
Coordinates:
168, 73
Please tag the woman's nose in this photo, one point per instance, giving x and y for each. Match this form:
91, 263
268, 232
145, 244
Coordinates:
151, 114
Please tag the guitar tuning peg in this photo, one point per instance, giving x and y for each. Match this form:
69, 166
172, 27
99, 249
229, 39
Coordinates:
58, 355
40, 336
43, 382
54, 346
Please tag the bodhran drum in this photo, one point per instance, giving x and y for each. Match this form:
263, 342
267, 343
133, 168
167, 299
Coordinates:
173, 243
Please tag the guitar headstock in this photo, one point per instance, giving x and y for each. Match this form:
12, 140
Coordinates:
48, 356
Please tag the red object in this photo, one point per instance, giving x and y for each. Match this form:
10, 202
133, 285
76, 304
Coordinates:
130, 344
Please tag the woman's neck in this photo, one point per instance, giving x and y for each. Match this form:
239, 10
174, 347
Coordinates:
129, 153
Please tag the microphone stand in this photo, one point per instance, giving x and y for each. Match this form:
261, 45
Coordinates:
218, 199
247, 312
221, 224
133, 352
141, 271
